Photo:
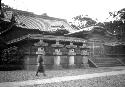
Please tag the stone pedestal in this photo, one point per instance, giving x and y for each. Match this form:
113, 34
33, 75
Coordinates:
57, 54
85, 62
57, 62
71, 61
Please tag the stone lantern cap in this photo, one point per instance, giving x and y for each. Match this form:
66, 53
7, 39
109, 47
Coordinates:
41, 44
85, 53
57, 45
84, 46
71, 46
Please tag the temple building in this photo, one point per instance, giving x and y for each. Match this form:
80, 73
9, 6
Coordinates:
62, 45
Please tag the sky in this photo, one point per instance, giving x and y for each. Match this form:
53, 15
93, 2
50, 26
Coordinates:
67, 9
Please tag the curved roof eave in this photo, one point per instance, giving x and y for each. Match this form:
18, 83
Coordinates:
47, 37
87, 29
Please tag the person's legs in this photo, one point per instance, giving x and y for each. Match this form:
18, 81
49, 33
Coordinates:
37, 71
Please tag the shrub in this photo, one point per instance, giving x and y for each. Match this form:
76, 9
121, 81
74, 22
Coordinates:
12, 56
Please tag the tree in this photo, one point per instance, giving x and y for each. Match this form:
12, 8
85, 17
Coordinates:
12, 55
118, 15
5, 7
116, 27
82, 21
122, 14
6, 22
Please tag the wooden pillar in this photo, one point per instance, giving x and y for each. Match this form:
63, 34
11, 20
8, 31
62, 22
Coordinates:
27, 59
93, 47
26, 67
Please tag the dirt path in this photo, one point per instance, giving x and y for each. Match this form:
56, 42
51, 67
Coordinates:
60, 79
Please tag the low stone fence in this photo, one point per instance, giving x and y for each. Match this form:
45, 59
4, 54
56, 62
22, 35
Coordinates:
30, 62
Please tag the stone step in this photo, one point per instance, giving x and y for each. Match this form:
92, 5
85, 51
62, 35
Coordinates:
108, 65
105, 62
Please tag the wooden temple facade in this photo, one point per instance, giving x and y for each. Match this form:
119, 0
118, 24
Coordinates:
94, 48
68, 52
59, 51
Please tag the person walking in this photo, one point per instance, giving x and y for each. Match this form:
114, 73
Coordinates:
40, 68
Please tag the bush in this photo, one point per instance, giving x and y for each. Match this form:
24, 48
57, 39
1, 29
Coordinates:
12, 57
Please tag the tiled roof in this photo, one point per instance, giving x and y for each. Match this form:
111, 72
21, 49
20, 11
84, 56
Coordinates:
43, 22
30, 22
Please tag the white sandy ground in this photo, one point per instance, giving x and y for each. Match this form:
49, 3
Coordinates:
60, 79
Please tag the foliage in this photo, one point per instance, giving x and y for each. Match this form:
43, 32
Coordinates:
7, 21
118, 15
82, 21
117, 25
122, 13
11, 56
5, 7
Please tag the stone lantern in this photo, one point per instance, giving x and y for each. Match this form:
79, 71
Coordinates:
84, 52
57, 54
71, 54
41, 46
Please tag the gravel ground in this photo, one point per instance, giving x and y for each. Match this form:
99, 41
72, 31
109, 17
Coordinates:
11, 76
108, 81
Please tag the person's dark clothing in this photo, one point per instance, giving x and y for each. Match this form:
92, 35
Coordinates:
41, 67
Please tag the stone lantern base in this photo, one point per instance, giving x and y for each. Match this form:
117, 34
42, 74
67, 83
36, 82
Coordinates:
72, 66
57, 67
71, 62
57, 61
85, 65
85, 62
